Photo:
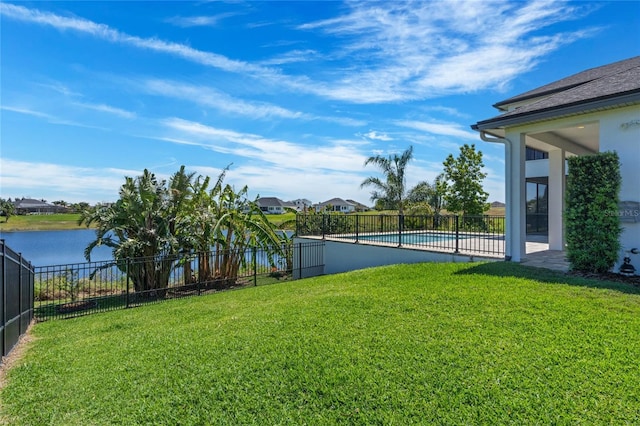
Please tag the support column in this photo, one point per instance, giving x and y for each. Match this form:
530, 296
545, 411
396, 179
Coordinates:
515, 239
555, 194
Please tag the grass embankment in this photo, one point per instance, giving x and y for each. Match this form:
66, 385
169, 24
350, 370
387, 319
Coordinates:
430, 344
66, 221
49, 222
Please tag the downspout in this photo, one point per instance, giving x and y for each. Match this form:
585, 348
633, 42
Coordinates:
508, 181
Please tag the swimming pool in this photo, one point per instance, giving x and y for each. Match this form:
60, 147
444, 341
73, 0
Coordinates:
407, 237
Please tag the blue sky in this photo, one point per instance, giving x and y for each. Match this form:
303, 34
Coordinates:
296, 95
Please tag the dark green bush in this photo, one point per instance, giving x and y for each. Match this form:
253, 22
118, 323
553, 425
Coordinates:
592, 224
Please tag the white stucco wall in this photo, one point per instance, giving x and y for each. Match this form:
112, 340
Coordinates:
537, 168
344, 256
620, 132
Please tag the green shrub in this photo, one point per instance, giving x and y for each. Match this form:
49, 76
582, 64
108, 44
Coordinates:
592, 225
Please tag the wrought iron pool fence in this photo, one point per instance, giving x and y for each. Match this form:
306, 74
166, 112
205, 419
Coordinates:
16, 290
482, 234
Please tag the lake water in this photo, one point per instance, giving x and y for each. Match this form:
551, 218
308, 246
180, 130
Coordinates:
45, 248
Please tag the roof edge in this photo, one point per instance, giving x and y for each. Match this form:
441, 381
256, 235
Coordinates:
554, 112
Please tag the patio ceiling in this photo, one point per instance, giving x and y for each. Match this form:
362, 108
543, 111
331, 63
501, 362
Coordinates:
580, 139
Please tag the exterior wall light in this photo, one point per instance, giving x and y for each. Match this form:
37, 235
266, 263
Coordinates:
627, 268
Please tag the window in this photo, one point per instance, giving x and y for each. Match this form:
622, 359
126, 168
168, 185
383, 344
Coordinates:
536, 154
537, 205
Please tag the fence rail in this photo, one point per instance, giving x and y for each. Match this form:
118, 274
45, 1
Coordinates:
16, 289
63, 291
449, 233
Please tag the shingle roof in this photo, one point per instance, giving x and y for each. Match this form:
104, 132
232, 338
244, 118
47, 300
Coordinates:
609, 85
579, 79
335, 202
270, 202
30, 203
274, 202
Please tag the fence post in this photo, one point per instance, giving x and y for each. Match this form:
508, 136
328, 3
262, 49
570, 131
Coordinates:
255, 266
400, 226
3, 320
299, 260
20, 260
127, 274
457, 234
357, 226
324, 224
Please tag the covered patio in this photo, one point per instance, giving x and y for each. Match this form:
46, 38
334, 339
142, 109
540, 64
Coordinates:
596, 110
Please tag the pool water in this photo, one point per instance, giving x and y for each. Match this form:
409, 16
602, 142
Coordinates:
410, 238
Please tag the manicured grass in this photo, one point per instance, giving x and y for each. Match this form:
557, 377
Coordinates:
48, 222
424, 344
64, 221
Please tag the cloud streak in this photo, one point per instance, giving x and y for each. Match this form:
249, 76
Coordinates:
441, 129
340, 155
69, 183
396, 51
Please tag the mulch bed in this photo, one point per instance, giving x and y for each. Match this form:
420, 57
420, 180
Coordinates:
608, 276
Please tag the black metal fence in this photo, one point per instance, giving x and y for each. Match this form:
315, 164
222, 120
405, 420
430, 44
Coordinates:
16, 288
64, 291
448, 233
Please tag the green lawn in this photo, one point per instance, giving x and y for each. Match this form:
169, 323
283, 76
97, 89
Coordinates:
45, 222
64, 221
409, 344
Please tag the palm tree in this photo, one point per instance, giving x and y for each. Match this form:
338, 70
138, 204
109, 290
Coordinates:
390, 191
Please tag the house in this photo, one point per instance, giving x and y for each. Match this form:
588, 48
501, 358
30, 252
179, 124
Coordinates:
359, 206
593, 111
337, 205
273, 205
301, 204
31, 206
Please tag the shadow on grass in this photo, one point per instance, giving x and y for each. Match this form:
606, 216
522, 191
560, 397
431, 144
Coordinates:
511, 269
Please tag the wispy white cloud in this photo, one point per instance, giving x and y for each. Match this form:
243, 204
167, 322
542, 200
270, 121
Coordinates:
108, 109
333, 155
107, 33
198, 21
61, 182
214, 98
427, 49
293, 56
374, 135
439, 128
386, 51
26, 111
50, 118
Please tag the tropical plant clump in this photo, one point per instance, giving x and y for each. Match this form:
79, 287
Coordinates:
156, 226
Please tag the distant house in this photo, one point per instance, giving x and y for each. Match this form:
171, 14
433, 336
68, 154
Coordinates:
497, 204
359, 206
596, 110
336, 205
301, 204
31, 206
273, 205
